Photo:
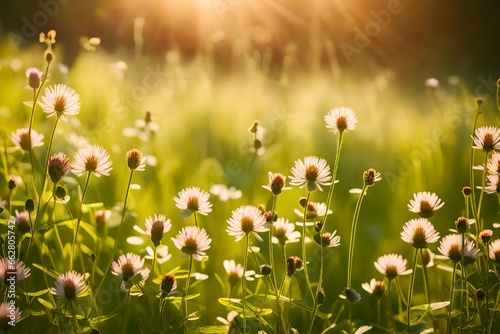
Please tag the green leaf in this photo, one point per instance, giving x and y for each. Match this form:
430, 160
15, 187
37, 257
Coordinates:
89, 229
50, 272
46, 303
37, 293
433, 306
211, 330
95, 321
363, 329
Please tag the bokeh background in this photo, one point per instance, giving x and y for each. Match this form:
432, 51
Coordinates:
206, 69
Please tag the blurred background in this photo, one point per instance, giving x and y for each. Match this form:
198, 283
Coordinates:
206, 69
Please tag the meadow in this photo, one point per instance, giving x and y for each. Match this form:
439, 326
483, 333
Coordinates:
168, 125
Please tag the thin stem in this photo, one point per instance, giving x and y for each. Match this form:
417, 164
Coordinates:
452, 290
245, 261
119, 229
79, 219
353, 235
486, 294
426, 284
155, 257
389, 305
481, 194
126, 312
334, 176
30, 151
494, 310
273, 267
410, 291
303, 241
184, 301
316, 305
471, 165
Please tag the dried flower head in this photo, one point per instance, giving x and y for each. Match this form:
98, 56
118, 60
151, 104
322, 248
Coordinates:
135, 160
21, 139
462, 224
192, 200
59, 166
34, 76
168, 285
61, 101
293, 263
192, 240
313, 172
466, 191
92, 159
276, 183
419, 232
371, 176
487, 138
69, 285
156, 226
340, 120
485, 236
392, 266
425, 203
245, 220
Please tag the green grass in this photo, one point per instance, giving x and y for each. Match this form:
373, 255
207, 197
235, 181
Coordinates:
418, 141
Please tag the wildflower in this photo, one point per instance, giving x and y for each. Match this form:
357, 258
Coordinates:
327, 239
419, 232
135, 160
466, 191
21, 139
9, 316
425, 203
7, 271
485, 236
101, 219
34, 76
314, 210
375, 288
69, 285
293, 263
371, 176
224, 193
130, 267
493, 186
192, 200
29, 205
392, 266
168, 285
23, 222
244, 220
451, 248
313, 172
284, 232
340, 120
92, 159
428, 257
162, 254
235, 272
59, 166
487, 138
494, 251
265, 270
156, 226
61, 194
493, 164
14, 182
276, 183
233, 321
61, 101
194, 241
463, 224
432, 83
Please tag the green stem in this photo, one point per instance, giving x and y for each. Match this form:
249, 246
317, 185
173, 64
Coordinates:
334, 176
303, 240
426, 284
155, 257
494, 310
273, 267
410, 291
119, 230
316, 305
452, 290
126, 312
30, 150
79, 219
245, 260
481, 194
353, 235
471, 170
389, 305
184, 301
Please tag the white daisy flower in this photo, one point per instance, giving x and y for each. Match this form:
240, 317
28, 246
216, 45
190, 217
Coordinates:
127, 267
92, 159
284, 232
341, 119
392, 266
69, 285
192, 240
375, 288
425, 203
276, 183
21, 139
313, 172
419, 232
61, 101
451, 248
487, 138
193, 200
18, 269
244, 220
235, 272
